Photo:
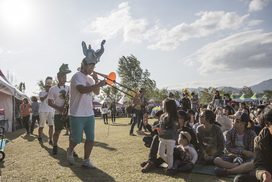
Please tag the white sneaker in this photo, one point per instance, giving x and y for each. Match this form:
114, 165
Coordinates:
70, 157
87, 163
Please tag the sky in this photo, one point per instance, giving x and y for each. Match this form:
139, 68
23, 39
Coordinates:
183, 44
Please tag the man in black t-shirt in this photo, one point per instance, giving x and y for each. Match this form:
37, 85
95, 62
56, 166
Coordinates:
185, 102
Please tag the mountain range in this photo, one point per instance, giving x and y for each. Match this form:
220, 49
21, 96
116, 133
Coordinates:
258, 88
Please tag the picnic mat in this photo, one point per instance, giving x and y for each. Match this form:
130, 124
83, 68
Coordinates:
207, 169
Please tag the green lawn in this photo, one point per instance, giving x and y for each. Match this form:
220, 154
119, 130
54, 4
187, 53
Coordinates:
116, 155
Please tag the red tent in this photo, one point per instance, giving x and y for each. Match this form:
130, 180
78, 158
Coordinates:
96, 104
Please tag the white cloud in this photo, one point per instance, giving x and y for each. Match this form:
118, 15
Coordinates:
209, 23
2, 51
254, 22
120, 21
257, 5
247, 50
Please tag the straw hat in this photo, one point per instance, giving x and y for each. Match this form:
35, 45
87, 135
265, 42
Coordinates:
186, 134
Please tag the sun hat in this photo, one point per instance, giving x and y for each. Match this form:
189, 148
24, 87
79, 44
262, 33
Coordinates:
186, 134
48, 81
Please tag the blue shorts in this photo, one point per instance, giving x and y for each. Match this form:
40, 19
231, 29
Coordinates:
80, 124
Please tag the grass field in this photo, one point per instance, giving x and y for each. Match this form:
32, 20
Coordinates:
116, 154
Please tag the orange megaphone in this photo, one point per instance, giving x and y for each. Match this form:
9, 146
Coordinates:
110, 78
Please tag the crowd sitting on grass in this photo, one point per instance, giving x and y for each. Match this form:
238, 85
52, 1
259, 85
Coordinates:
222, 134
225, 136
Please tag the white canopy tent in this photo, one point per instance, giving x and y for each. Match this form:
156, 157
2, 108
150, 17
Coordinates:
124, 100
8, 94
96, 103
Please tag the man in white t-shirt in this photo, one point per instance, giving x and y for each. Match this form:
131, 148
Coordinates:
81, 114
46, 112
57, 96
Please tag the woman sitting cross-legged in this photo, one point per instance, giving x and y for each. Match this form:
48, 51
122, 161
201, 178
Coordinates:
210, 138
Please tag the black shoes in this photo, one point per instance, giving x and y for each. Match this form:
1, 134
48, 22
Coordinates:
51, 142
40, 140
75, 154
55, 150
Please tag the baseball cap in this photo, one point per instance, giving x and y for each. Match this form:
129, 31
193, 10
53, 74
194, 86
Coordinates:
240, 115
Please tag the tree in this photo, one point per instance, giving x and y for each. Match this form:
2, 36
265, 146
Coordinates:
129, 71
246, 90
41, 84
21, 87
11, 77
223, 92
110, 92
149, 84
105, 92
268, 93
133, 77
206, 95
177, 95
160, 94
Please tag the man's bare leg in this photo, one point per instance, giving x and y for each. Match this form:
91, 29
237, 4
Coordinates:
40, 132
72, 145
50, 132
224, 164
56, 137
88, 148
244, 168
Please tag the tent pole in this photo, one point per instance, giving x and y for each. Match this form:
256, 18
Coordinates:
13, 114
